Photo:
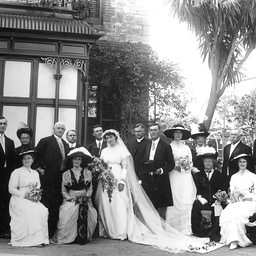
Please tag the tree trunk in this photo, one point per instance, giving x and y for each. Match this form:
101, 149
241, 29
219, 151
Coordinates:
212, 103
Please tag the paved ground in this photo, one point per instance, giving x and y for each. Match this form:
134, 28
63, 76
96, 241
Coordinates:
107, 247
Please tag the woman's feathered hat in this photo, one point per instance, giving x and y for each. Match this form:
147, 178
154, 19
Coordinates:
245, 156
23, 128
177, 127
199, 130
206, 152
78, 152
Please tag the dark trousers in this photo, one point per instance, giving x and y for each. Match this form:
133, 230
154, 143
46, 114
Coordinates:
4, 202
52, 198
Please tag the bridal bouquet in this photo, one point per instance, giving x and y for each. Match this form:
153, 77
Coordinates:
184, 163
221, 197
35, 194
108, 181
82, 199
101, 172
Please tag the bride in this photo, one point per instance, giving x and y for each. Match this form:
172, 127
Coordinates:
130, 214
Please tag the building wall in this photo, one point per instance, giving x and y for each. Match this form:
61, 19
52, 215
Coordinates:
125, 20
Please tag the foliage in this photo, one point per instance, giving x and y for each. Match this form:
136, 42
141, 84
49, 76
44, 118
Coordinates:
226, 35
136, 73
238, 110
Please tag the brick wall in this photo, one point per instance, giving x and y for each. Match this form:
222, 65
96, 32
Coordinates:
125, 20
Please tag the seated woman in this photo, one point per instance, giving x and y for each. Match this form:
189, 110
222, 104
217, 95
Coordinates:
205, 220
243, 205
28, 216
77, 217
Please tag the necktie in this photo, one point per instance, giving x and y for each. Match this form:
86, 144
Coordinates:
2, 143
99, 144
153, 146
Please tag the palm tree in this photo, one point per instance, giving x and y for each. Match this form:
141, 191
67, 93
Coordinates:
226, 33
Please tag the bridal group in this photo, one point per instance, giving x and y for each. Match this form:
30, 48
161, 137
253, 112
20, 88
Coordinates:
158, 191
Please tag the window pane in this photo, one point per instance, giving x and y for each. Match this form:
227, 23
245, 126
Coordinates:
68, 84
17, 78
44, 123
68, 117
46, 82
15, 115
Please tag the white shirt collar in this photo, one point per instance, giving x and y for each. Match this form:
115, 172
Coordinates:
139, 140
57, 138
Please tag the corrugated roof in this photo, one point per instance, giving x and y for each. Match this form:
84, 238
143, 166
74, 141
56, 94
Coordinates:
13, 21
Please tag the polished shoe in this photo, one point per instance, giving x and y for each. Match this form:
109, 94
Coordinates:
233, 246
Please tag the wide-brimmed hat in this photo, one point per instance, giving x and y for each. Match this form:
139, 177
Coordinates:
178, 127
79, 152
206, 152
199, 130
31, 152
23, 128
245, 156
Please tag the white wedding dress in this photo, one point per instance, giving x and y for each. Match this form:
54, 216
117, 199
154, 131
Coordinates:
183, 192
131, 214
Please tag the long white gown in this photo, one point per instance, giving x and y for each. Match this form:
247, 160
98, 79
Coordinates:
131, 214
29, 225
183, 192
114, 220
236, 215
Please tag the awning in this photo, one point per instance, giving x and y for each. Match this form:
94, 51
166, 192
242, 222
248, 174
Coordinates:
12, 21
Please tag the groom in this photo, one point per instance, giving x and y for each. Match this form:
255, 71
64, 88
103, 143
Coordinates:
158, 162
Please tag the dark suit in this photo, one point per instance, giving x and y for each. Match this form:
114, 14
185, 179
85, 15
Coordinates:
206, 189
156, 186
137, 150
233, 168
94, 150
7, 162
49, 158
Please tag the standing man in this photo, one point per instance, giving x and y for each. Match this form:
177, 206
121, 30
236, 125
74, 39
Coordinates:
7, 161
158, 162
229, 152
52, 152
137, 148
71, 137
96, 147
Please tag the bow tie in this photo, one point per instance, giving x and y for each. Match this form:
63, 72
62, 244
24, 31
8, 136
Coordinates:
208, 171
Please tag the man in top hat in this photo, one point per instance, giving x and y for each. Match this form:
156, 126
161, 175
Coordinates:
71, 137
158, 162
208, 181
199, 134
137, 148
7, 160
25, 134
96, 147
52, 152
235, 148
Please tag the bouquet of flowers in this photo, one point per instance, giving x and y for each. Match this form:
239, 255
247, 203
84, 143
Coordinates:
221, 197
101, 172
108, 181
184, 163
35, 194
237, 196
82, 199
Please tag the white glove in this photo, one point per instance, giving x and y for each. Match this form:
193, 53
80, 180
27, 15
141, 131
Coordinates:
202, 200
